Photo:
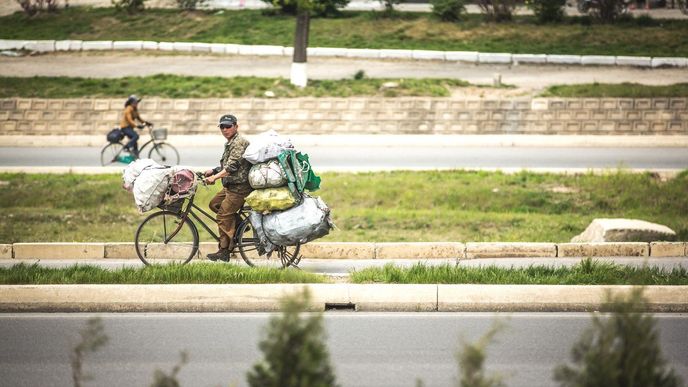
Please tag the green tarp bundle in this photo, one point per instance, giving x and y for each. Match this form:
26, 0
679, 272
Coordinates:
300, 175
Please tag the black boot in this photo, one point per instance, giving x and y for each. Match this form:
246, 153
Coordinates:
222, 255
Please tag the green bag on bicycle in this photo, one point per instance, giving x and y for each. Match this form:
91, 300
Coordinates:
299, 172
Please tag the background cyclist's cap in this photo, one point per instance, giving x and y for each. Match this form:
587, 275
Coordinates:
227, 119
133, 98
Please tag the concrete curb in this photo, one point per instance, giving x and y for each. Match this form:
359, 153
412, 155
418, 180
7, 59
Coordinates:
260, 50
380, 250
359, 297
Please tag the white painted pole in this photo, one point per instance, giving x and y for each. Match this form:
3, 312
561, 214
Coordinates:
299, 75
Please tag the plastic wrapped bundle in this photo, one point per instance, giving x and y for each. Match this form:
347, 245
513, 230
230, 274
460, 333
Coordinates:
301, 224
150, 187
271, 199
266, 146
264, 246
267, 175
133, 170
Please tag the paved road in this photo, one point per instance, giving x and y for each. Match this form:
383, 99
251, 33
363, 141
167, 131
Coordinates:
330, 157
341, 267
123, 64
367, 349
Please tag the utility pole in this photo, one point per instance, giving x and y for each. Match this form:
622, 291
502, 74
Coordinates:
299, 76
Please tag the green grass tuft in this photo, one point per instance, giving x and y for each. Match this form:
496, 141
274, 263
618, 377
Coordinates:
194, 273
621, 90
587, 272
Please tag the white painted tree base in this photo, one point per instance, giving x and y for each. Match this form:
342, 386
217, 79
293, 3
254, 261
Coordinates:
299, 75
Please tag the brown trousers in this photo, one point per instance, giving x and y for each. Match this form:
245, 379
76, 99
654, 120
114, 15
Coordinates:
226, 204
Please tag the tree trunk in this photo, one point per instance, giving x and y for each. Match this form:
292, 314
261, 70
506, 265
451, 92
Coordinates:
298, 66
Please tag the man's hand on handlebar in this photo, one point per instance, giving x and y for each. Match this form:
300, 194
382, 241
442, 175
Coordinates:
209, 179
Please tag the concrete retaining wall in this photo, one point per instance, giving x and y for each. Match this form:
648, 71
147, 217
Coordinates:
378, 297
408, 115
381, 250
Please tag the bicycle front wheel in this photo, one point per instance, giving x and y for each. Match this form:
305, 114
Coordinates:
247, 243
164, 153
109, 153
164, 237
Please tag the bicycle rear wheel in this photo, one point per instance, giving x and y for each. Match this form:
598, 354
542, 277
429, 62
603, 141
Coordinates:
247, 243
109, 153
164, 153
164, 237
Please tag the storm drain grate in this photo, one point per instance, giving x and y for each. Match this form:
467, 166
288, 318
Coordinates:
338, 306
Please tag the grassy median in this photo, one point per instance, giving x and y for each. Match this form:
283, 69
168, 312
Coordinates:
196, 273
587, 272
620, 90
577, 35
174, 86
382, 206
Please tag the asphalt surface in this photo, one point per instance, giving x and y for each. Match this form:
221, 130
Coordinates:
115, 65
331, 157
342, 267
366, 349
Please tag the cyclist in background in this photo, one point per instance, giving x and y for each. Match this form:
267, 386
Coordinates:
128, 123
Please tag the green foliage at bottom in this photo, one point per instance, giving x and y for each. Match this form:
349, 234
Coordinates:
294, 349
621, 349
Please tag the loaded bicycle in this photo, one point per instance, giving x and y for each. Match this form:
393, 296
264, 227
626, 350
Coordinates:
172, 235
157, 149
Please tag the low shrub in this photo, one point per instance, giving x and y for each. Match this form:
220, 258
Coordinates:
547, 11
497, 10
190, 4
33, 7
131, 6
448, 10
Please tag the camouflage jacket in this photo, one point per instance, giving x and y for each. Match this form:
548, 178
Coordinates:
234, 163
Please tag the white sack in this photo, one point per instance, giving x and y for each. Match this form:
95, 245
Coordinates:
267, 175
133, 171
300, 224
266, 146
150, 187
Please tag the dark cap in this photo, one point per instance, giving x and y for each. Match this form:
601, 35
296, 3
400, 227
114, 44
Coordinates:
131, 99
227, 119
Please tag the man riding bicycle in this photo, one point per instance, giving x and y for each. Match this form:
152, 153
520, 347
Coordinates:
128, 122
233, 171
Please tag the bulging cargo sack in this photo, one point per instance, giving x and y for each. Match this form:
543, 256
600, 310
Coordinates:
264, 246
267, 175
271, 199
182, 181
115, 135
266, 146
133, 170
301, 224
150, 187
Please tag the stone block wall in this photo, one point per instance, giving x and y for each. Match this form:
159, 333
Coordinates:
617, 116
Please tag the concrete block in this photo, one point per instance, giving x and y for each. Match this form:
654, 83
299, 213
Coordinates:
127, 45
120, 250
166, 46
326, 51
338, 250
604, 249
232, 49
669, 62
59, 250
510, 250
40, 45
362, 53
461, 56
182, 46
600, 60
396, 54
149, 45
638, 61
529, 58
261, 50
200, 47
668, 249
6, 251
564, 59
394, 297
427, 55
485, 57
9, 44
68, 45
624, 230
217, 48
96, 45
419, 250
